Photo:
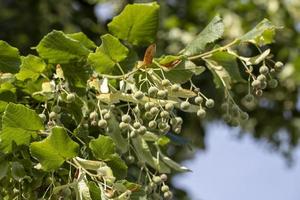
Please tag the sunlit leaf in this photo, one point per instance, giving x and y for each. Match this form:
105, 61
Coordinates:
31, 68
53, 151
137, 23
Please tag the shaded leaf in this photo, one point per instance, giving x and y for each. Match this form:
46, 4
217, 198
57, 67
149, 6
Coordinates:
83, 39
118, 166
9, 58
212, 32
53, 151
19, 124
103, 147
137, 23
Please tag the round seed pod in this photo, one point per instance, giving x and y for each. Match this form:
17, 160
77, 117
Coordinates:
168, 195
53, 115
156, 179
130, 159
259, 92
123, 126
162, 93
169, 106
152, 91
165, 188
154, 110
244, 116
93, 115
136, 125
210, 103
138, 95
164, 177
56, 108
175, 87
142, 130
133, 133
249, 98
164, 114
256, 84
224, 106
184, 105
198, 100
126, 118
234, 122
227, 118
201, 113
261, 77
71, 97
278, 65
149, 115
264, 69
177, 129
43, 117
165, 82
263, 85
152, 124
102, 123
107, 116
94, 123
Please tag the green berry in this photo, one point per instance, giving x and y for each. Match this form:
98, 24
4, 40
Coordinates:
278, 65
261, 77
43, 116
156, 179
136, 125
185, 105
152, 124
52, 115
149, 115
201, 113
123, 126
273, 83
107, 116
126, 118
169, 106
142, 130
165, 82
210, 103
198, 100
93, 115
162, 94
154, 110
264, 69
152, 91
102, 123
256, 84
138, 95
164, 177
164, 114
168, 195
71, 97
175, 87
94, 123
165, 188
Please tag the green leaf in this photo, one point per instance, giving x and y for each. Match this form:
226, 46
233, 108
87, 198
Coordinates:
31, 68
3, 168
118, 166
116, 135
144, 154
212, 32
103, 147
111, 52
17, 171
229, 63
220, 74
57, 47
9, 58
19, 124
183, 72
95, 191
262, 34
53, 151
83, 39
137, 23
83, 188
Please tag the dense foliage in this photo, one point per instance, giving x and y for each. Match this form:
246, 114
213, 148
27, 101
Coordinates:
95, 122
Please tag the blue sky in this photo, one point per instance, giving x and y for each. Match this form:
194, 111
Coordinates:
233, 169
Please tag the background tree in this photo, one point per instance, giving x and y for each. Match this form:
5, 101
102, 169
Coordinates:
180, 23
